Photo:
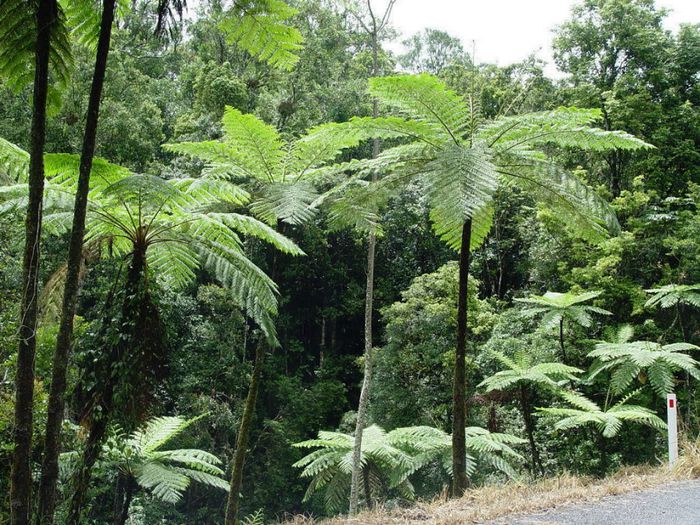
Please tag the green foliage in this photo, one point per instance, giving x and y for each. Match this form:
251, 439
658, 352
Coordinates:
330, 466
146, 457
555, 307
280, 174
18, 35
181, 225
521, 369
462, 159
389, 459
262, 28
671, 295
627, 360
413, 369
608, 421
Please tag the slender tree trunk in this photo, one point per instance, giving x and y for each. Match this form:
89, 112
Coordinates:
366, 381
124, 503
102, 411
367, 487
234, 495
369, 309
459, 450
91, 453
530, 430
56, 403
561, 339
21, 474
603, 445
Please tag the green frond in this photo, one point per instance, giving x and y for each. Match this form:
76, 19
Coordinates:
583, 211
14, 163
564, 127
460, 184
290, 203
166, 484
18, 36
262, 28
672, 294
425, 99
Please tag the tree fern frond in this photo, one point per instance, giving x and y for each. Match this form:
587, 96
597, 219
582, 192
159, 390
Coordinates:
18, 34
426, 99
261, 27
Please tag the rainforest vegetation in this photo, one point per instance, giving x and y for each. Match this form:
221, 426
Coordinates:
253, 263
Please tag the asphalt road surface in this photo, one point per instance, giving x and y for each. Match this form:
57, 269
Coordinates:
676, 503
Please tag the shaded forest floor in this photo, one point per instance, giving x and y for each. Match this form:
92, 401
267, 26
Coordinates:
495, 502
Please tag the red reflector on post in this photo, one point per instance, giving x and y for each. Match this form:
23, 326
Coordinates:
671, 403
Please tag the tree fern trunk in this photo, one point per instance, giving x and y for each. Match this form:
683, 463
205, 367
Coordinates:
124, 503
366, 381
102, 407
56, 403
530, 430
91, 453
459, 451
367, 487
369, 309
21, 474
233, 503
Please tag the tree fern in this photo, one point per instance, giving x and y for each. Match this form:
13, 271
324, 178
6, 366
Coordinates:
627, 361
262, 28
330, 467
670, 295
18, 40
144, 456
522, 369
608, 421
183, 222
389, 459
281, 175
555, 307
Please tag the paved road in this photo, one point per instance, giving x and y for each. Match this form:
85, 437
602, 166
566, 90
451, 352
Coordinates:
672, 504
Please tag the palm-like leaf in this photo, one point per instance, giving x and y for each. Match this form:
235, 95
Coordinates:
670, 295
554, 307
330, 467
280, 174
583, 412
626, 361
183, 225
523, 370
395, 456
261, 27
166, 473
461, 160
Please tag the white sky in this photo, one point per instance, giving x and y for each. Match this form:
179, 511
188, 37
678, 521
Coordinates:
506, 31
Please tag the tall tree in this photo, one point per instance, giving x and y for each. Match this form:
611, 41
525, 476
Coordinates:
612, 49
280, 176
32, 37
431, 51
56, 403
461, 159
373, 26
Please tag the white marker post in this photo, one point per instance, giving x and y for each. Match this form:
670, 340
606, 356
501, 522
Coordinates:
672, 421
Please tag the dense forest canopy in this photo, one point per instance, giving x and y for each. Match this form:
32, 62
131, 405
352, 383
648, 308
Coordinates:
254, 264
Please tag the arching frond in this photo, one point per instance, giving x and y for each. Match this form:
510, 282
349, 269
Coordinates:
263, 29
627, 359
18, 36
426, 99
608, 422
670, 295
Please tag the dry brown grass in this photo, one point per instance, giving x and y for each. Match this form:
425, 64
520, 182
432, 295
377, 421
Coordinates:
494, 502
